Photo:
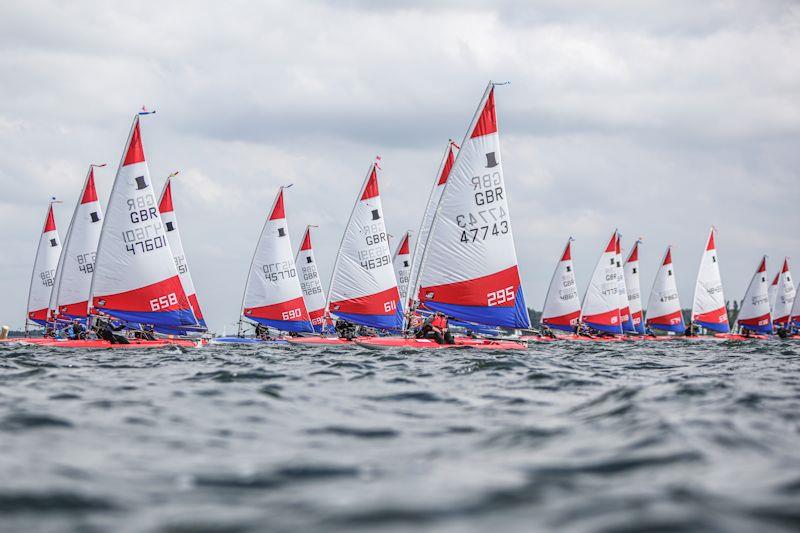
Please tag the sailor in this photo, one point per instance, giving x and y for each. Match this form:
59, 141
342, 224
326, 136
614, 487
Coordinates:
345, 329
691, 330
436, 326
77, 331
547, 332
105, 330
648, 330
148, 332
262, 332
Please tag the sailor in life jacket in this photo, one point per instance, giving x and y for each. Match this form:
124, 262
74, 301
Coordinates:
437, 328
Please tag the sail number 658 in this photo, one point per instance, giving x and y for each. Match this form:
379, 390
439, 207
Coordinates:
163, 302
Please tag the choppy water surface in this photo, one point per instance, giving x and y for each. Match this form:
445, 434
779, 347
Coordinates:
677, 436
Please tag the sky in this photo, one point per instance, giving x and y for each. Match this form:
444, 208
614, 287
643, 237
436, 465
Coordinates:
658, 118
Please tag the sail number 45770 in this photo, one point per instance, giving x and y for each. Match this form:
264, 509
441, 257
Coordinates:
500, 297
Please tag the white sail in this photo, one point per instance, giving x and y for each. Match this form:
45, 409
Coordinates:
784, 296
708, 307
634, 289
402, 263
664, 306
310, 282
469, 269
624, 309
562, 306
70, 297
442, 173
363, 287
170, 220
273, 296
772, 292
601, 301
44, 270
135, 278
754, 315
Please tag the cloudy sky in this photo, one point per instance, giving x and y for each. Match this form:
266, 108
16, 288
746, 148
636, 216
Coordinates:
660, 118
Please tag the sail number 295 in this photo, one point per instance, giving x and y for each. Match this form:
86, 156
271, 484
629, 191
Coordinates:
500, 297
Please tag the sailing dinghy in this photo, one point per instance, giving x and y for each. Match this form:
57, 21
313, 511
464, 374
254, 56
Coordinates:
44, 270
310, 282
273, 296
135, 281
469, 268
708, 306
70, 299
664, 306
601, 303
754, 314
784, 297
170, 220
562, 306
363, 288
631, 273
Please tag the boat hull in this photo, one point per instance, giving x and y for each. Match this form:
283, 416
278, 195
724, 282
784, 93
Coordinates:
133, 345
430, 344
247, 341
325, 341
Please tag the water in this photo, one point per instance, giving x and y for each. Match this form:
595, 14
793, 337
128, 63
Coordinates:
567, 437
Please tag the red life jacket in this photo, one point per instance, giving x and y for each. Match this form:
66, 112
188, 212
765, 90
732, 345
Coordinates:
439, 322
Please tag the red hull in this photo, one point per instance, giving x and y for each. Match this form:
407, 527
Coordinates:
134, 344
318, 340
589, 339
430, 344
737, 337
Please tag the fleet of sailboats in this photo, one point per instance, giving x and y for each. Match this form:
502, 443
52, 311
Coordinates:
128, 268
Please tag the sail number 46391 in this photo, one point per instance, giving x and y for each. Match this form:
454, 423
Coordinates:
500, 297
